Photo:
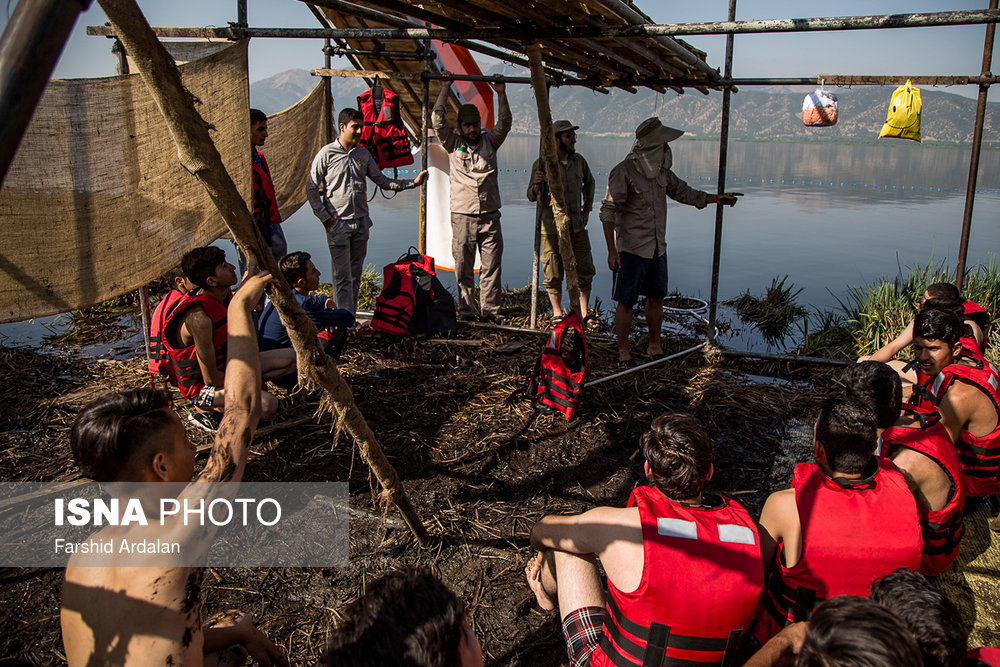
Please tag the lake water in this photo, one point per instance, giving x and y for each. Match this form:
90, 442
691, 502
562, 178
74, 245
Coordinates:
828, 216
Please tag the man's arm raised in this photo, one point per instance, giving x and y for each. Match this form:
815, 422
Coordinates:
243, 383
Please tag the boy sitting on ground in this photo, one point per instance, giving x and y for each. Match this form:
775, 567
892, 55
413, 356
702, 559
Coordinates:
407, 618
333, 323
976, 321
919, 445
965, 391
847, 519
152, 615
159, 360
195, 335
683, 569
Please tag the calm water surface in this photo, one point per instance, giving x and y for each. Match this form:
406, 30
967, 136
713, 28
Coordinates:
828, 216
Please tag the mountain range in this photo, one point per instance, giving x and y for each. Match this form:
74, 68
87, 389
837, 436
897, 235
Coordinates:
770, 113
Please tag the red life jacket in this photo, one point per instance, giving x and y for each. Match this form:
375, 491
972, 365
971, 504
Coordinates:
263, 174
983, 656
970, 346
701, 580
942, 528
412, 299
557, 380
159, 360
978, 456
978, 314
382, 130
185, 359
851, 535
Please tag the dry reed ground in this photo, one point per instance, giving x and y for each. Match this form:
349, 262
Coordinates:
479, 466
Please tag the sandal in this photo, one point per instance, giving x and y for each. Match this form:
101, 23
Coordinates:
591, 323
557, 319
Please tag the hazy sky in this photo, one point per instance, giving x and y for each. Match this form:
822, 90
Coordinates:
942, 51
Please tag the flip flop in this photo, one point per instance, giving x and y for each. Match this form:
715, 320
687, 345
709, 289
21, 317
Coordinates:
627, 363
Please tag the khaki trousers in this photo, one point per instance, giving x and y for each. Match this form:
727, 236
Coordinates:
469, 232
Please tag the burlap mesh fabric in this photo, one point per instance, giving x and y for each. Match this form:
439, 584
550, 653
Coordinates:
295, 136
96, 203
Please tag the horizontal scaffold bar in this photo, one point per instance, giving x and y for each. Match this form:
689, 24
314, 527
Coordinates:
872, 22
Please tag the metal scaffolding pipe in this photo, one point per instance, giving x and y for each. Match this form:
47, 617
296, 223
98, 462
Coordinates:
977, 144
727, 93
785, 357
646, 366
870, 22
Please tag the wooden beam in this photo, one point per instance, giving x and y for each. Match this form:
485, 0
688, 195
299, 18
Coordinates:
554, 176
197, 153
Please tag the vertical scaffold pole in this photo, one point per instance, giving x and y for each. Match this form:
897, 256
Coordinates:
425, 102
723, 157
977, 144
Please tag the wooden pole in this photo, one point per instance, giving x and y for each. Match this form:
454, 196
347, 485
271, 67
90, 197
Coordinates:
977, 145
199, 156
32, 42
425, 123
554, 180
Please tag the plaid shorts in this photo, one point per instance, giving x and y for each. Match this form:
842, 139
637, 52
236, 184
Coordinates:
582, 630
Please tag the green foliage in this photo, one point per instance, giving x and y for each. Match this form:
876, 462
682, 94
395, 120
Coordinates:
774, 314
371, 286
872, 315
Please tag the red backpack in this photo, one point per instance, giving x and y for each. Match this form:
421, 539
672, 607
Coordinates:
557, 380
413, 300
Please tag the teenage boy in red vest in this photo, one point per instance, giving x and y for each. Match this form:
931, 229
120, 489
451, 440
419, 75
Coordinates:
265, 203
847, 519
195, 335
684, 569
919, 445
965, 392
159, 361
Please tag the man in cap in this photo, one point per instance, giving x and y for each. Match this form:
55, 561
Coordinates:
634, 216
578, 190
475, 199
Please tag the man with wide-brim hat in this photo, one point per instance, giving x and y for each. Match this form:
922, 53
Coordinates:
634, 216
578, 193
475, 200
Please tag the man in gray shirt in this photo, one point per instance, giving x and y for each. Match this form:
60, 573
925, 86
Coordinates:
338, 194
634, 216
475, 199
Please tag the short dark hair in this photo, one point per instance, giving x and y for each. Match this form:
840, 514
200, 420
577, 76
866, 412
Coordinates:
293, 266
200, 264
951, 305
407, 618
852, 631
877, 385
347, 115
257, 116
937, 324
114, 436
933, 619
679, 453
943, 291
846, 429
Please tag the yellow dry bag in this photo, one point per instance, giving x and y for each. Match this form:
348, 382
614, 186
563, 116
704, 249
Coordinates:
903, 117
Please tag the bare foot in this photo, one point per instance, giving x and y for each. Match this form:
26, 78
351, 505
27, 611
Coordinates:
533, 573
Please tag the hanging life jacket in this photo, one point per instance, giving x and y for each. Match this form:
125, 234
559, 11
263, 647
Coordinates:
159, 361
557, 380
382, 130
413, 299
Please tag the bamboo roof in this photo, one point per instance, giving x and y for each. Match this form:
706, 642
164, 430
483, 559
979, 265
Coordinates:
600, 62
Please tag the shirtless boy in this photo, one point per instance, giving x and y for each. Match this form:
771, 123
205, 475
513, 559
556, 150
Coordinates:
684, 569
152, 615
194, 335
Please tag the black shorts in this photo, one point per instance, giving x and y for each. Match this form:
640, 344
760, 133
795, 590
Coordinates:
638, 275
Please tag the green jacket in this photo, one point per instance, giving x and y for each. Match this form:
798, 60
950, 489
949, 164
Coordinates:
578, 187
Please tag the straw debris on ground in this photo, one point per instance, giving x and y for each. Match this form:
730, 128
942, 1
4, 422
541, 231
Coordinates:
479, 463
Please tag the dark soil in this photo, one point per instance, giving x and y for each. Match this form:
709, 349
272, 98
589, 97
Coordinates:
480, 466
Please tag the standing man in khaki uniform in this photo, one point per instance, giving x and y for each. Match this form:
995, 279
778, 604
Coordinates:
578, 187
475, 199
634, 216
